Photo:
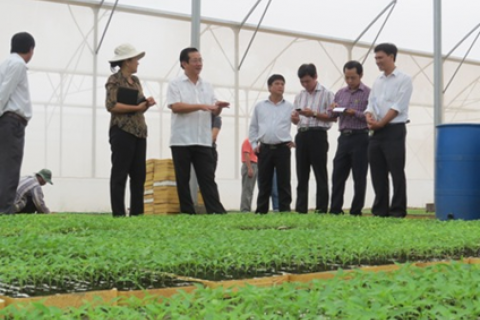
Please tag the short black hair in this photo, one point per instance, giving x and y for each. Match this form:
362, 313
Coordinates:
307, 69
353, 64
22, 42
185, 55
388, 48
275, 77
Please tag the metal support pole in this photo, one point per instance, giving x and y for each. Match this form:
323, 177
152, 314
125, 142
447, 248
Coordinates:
195, 42
438, 78
195, 35
94, 95
437, 63
237, 103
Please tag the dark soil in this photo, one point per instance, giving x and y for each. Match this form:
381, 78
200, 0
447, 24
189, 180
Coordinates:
15, 290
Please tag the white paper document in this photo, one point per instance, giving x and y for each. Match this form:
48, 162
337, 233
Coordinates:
339, 110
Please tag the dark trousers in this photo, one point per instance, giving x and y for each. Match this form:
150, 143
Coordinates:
30, 206
386, 153
12, 141
203, 162
311, 151
128, 160
352, 154
273, 157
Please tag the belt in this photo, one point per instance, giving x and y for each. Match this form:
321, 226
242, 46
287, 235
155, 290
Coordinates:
397, 123
274, 146
303, 129
16, 116
349, 132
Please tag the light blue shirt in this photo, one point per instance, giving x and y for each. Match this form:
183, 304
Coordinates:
391, 92
14, 92
270, 123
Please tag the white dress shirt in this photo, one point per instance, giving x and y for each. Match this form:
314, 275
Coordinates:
391, 92
192, 128
319, 101
14, 93
270, 123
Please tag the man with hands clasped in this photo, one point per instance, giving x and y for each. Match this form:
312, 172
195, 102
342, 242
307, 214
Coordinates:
193, 102
387, 114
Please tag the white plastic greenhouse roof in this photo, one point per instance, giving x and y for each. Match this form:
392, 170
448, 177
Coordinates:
410, 25
69, 130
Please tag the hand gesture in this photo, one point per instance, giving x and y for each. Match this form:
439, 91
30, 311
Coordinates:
222, 104
349, 112
250, 172
151, 102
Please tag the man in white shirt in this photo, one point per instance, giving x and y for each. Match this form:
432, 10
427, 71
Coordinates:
15, 112
387, 114
193, 102
270, 137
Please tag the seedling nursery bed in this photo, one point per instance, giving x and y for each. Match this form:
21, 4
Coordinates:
43, 255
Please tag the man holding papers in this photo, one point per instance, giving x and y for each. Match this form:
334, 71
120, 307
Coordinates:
387, 114
349, 106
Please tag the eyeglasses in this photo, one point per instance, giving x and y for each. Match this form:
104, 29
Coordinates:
196, 61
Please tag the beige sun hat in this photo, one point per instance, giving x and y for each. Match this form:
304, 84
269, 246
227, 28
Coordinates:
126, 51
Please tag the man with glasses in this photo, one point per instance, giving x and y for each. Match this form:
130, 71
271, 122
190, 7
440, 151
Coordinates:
193, 102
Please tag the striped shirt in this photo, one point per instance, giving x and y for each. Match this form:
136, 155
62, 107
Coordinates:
270, 123
29, 186
356, 100
319, 100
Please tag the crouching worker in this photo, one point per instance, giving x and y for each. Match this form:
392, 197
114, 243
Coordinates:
29, 197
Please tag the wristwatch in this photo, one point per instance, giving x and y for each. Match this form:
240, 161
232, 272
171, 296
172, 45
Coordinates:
315, 114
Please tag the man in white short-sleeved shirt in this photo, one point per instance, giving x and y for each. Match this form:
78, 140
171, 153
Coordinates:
15, 112
387, 114
193, 102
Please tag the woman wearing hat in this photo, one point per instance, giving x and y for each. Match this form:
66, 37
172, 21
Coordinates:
128, 131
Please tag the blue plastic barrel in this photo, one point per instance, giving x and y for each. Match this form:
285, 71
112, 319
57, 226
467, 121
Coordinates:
457, 185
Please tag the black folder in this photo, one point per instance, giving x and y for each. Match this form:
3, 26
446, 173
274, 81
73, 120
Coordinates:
127, 96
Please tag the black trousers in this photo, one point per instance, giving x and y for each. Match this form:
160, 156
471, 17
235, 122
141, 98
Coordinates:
30, 206
352, 154
273, 157
12, 142
386, 153
311, 151
204, 164
128, 160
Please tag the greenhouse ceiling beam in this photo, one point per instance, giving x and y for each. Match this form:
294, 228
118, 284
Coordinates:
466, 54
233, 24
392, 4
254, 34
249, 13
106, 27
